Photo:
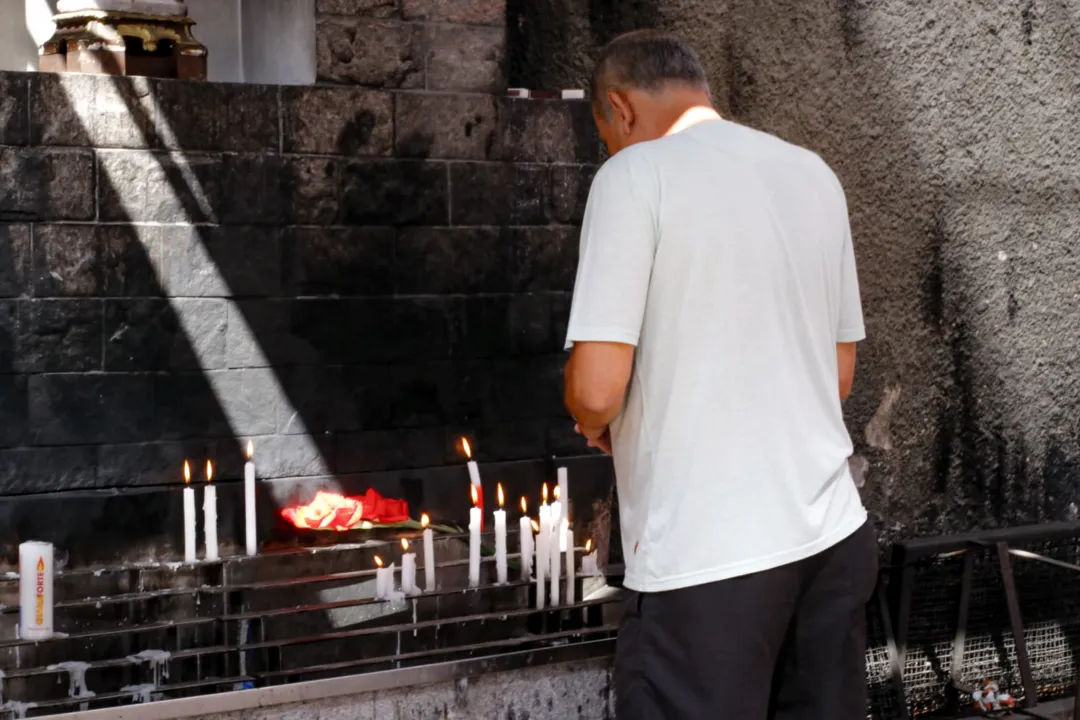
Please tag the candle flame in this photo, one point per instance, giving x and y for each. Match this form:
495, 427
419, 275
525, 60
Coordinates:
588, 545
536, 526
466, 447
404, 544
187, 473
378, 561
475, 495
424, 520
209, 471
501, 499
544, 493
250, 450
524, 506
556, 492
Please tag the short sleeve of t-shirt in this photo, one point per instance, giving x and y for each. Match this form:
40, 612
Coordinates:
850, 327
615, 258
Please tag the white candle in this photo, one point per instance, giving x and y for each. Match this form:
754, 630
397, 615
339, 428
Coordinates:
249, 502
474, 478
429, 554
475, 518
556, 565
526, 540
571, 591
382, 579
500, 540
36, 590
543, 542
408, 569
588, 561
210, 514
189, 516
557, 516
564, 498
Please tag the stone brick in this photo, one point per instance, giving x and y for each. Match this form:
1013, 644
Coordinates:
194, 408
14, 409
9, 335
395, 192
530, 324
528, 388
384, 330
338, 121
58, 336
15, 261
359, 8
470, 59
444, 126
92, 110
546, 131
424, 394
543, 258
14, 119
252, 396
390, 450
159, 187
328, 398
46, 184
156, 334
39, 470
217, 116
569, 193
92, 408
499, 194
286, 332
152, 463
338, 261
469, 12
67, 261
251, 190
427, 261
370, 53
312, 190
131, 260
221, 262
295, 456
501, 441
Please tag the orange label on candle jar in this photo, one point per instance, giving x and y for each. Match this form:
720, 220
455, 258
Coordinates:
39, 593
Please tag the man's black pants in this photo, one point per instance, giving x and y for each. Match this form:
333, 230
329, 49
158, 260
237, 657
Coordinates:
783, 644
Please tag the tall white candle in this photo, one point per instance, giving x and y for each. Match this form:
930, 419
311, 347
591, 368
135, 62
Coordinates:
500, 540
429, 554
382, 579
475, 518
408, 569
543, 560
556, 565
249, 502
189, 516
564, 498
474, 478
526, 540
210, 514
589, 561
36, 590
571, 591
556, 518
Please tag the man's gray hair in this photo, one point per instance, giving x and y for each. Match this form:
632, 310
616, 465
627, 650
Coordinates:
645, 60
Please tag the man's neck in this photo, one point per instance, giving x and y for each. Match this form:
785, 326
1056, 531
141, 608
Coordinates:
694, 115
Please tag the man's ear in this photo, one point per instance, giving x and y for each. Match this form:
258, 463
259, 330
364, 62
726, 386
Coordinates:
622, 113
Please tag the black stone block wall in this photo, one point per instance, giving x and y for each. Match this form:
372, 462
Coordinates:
353, 277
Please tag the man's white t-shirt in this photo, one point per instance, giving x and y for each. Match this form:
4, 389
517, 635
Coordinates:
724, 254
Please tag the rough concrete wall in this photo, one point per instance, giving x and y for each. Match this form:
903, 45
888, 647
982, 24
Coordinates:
954, 130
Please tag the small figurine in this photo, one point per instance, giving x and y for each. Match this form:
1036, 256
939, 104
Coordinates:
991, 700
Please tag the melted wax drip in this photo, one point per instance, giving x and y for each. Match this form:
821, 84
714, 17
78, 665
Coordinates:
159, 659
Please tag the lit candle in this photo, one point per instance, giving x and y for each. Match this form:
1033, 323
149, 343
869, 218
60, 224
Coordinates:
408, 569
429, 553
474, 478
556, 563
500, 539
564, 497
36, 590
588, 561
382, 579
557, 515
571, 591
210, 513
475, 517
249, 501
189, 515
526, 533
543, 560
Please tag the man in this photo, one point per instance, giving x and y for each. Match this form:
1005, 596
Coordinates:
713, 335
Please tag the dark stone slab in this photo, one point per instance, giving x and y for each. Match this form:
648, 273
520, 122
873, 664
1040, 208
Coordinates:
218, 116
82, 408
338, 121
221, 262
359, 8
390, 449
328, 398
560, 318
499, 442
451, 260
312, 190
131, 256
92, 110
15, 261
58, 336
526, 388
154, 463
530, 325
195, 411
546, 131
570, 186
424, 394
286, 332
141, 186
469, 59
14, 408
499, 194
409, 329
252, 188
9, 335
46, 184
444, 126
371, 53
295, 456
338, 261
153, 334
544, 258
395, 192
14, 98
67, 261
468, 12
38, 470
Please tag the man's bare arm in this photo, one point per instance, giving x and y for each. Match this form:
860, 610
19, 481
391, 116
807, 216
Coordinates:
845, 363
596, 379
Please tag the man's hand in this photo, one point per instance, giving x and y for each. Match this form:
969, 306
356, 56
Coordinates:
596, 437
